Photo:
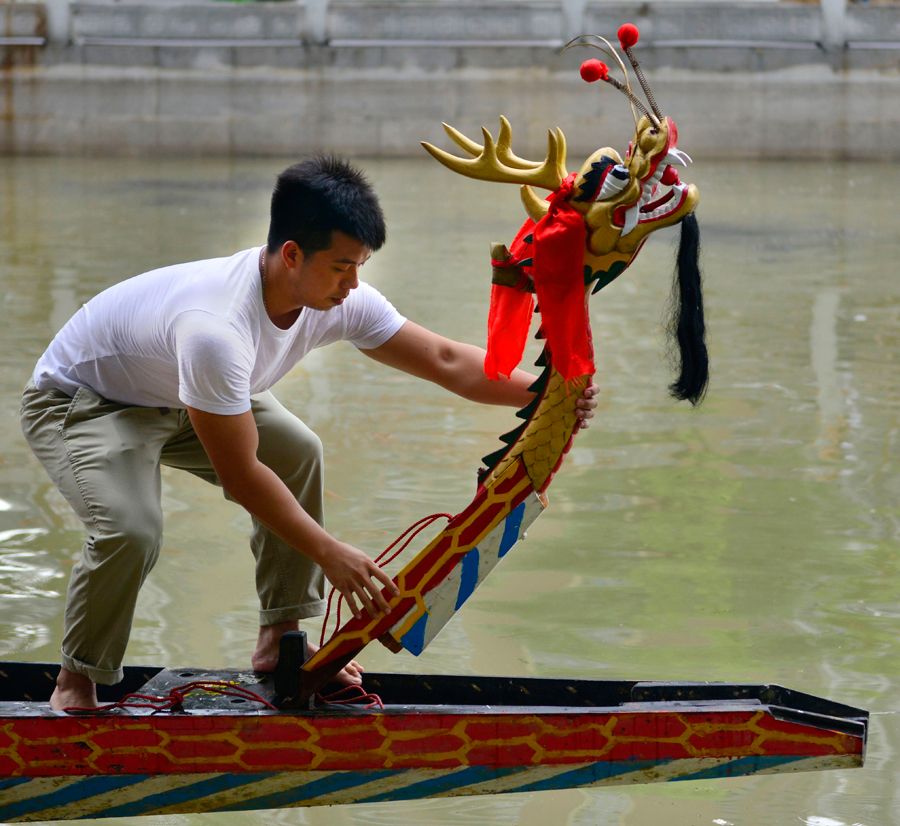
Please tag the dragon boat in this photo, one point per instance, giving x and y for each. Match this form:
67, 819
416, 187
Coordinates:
230, 741
222, 748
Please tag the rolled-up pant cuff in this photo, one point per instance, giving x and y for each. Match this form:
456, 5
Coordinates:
103, 676
273, 616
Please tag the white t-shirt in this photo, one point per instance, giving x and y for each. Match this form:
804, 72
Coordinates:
198, 335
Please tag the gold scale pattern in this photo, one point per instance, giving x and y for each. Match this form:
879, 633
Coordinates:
548, 432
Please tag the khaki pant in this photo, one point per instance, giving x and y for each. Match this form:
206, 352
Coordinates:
105, 459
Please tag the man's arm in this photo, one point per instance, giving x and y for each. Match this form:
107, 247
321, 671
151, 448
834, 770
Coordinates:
231, 443
460, 368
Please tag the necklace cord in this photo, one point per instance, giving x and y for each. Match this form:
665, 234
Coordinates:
262, 273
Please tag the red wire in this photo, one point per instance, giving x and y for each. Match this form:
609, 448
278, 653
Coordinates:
416, 528
362, 695
175, 699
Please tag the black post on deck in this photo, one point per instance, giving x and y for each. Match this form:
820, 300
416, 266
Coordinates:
288, 675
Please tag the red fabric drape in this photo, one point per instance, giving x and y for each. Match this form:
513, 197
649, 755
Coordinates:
558, 272
559, 245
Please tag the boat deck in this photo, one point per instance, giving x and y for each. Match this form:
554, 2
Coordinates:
25, 690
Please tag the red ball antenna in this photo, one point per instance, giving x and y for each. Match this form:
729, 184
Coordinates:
628, 36
593, 70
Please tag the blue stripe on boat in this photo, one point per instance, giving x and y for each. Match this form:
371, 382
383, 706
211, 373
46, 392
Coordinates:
89, 786
511, 530
453, 779
414, 639
337, 782
468, 577
192, 791
742, 766
11, 782
586, 775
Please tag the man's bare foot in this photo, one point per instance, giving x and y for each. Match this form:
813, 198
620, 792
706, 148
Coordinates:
265, 657
73, 691
350, 674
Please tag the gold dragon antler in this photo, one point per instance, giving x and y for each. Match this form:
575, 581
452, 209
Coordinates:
495, 161
504, 142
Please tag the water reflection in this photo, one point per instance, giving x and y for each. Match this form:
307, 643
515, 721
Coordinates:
754, 539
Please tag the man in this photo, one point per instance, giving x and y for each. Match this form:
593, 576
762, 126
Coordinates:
174, 366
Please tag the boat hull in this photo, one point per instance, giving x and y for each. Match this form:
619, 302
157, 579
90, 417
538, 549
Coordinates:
429, 740
66, 798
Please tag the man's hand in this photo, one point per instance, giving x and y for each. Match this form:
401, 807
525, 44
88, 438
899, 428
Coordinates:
585, 407
351, 572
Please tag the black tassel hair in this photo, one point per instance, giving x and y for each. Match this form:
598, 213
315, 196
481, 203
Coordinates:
686, 325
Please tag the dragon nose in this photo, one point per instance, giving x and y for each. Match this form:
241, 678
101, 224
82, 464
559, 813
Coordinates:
670, 176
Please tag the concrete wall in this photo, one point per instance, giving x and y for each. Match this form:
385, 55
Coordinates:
376, 76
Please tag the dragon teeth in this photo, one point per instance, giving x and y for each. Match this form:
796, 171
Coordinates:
676, 156
632, 216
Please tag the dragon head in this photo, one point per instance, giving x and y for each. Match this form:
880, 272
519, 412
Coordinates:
621, 202
624, 201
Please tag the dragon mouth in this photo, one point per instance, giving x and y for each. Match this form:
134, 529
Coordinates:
652, 206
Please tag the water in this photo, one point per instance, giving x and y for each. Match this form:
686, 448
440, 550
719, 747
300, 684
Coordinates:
754, 539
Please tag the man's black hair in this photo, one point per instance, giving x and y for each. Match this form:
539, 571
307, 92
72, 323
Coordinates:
319, 195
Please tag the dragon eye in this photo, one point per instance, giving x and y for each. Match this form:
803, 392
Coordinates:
603, 180
615, 182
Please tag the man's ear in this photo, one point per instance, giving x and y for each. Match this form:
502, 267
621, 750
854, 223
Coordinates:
292, 255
